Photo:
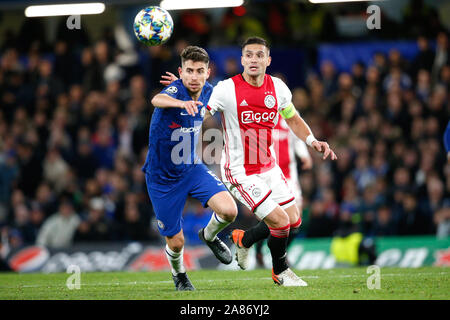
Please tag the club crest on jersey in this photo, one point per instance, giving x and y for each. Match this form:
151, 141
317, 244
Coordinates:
172, 89
160, 224
269, 101
256, 192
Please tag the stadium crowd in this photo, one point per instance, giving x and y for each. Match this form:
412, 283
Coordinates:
74, 122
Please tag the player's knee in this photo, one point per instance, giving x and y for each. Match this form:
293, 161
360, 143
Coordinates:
176, 243
229, 213
296, 223
177, 246
283, 221
278, 218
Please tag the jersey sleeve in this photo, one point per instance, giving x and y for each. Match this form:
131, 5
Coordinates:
220, 97
284, 97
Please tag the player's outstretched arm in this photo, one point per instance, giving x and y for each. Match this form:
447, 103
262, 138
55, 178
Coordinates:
302, 130
162, 100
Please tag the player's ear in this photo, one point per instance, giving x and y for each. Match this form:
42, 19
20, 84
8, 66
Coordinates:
208, 72
180, 71
269, 60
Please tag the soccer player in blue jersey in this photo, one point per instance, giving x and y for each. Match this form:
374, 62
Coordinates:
173, 171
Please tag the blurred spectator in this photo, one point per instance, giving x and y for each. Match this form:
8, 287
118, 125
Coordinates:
37, 218
384, 222
396, 78
133, 228
442, 221
423, 85
442, 54
196, 22
94, 226
64, 59
425, 58
320, 224
231, 68
328, 78
363, 173
58, 230
55, 170
104, 146
368, 207
412, 220
420, 18
46, 199
30, 168
84, 161
433, 201
9, 171
358, 74
4, 249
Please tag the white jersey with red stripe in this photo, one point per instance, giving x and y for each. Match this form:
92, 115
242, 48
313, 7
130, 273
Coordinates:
249, 115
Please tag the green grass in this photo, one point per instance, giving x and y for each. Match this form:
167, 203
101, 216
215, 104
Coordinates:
349, 283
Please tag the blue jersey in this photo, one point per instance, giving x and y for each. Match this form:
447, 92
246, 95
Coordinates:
173, 137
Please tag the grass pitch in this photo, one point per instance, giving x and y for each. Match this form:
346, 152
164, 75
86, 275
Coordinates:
427, 283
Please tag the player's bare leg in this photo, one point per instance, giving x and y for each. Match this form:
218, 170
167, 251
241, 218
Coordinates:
174, 253
225, 212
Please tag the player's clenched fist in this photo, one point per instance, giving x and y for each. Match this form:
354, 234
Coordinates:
191, 106
324, 148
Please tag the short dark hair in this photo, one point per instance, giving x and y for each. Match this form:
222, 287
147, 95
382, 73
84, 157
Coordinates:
255, 40
195, 54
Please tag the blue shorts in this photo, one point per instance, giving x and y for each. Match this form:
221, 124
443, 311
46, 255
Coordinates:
200, 183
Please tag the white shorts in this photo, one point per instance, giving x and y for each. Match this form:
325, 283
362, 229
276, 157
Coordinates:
262, 192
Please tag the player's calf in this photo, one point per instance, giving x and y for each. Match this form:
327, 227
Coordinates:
294, 230
225, 212
176, 242
279, 226
224, 206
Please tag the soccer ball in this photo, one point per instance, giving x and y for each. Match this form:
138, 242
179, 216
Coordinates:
153, 26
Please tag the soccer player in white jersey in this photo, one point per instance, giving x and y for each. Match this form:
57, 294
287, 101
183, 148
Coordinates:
250, 104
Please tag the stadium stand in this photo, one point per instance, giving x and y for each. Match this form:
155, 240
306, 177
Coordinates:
74, 118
